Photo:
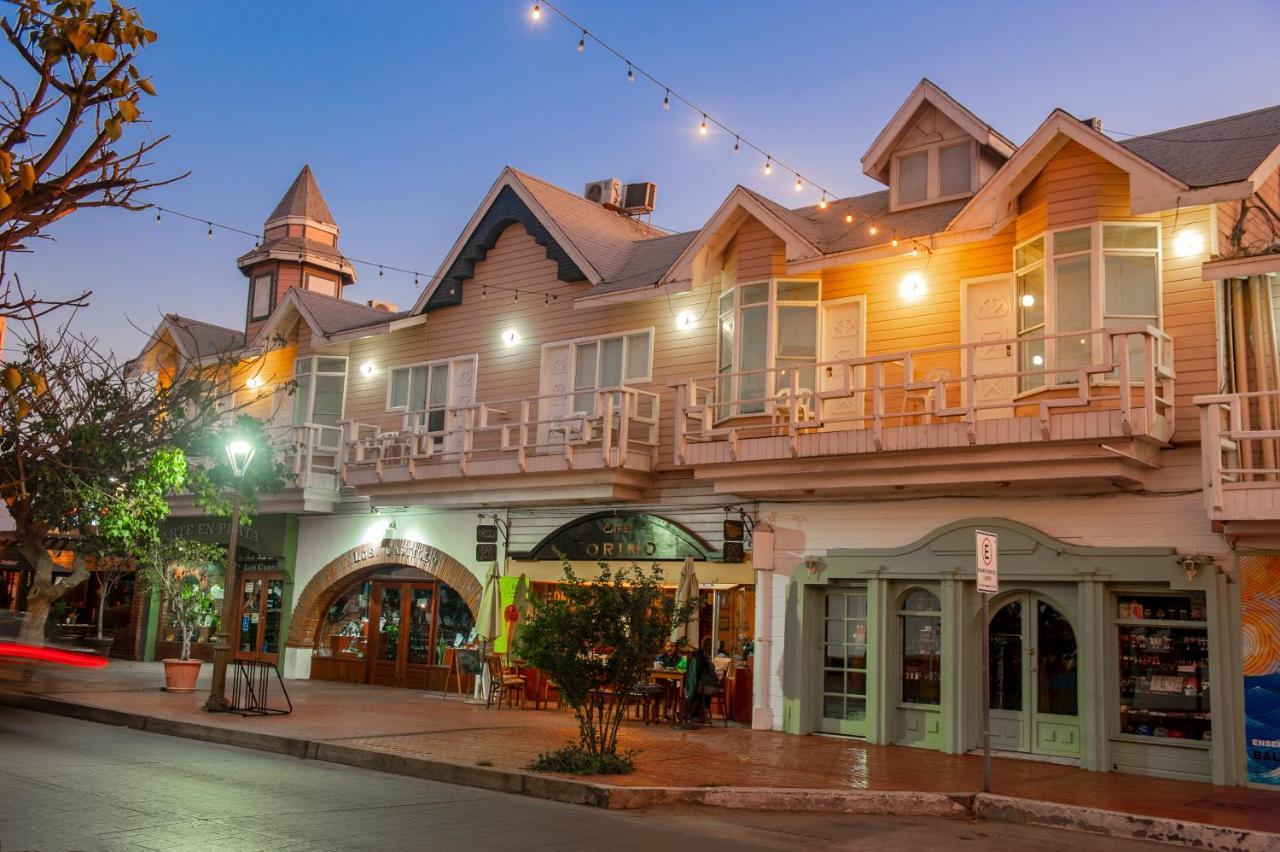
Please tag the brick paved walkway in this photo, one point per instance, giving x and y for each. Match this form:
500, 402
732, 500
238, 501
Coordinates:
405, 722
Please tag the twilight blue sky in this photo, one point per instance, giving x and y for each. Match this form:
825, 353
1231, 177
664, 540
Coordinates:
408, 111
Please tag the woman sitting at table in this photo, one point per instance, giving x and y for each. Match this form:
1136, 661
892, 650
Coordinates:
669, 658
699, 685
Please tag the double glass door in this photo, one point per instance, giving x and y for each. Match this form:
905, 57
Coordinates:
404, 613
261, 614
1033, 685
844, 662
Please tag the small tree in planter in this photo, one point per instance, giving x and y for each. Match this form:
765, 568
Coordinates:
176, 569
597, 641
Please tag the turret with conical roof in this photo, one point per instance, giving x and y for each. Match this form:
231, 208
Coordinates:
299, 249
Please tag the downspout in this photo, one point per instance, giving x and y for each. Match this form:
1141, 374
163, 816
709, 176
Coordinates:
762, 556
1263, 375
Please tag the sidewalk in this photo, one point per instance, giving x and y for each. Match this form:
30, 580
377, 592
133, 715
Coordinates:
403, 725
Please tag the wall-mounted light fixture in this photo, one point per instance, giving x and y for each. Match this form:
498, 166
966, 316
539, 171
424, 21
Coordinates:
1188, 242
367, 368
686, 320
253, 382
510, 337
913, 286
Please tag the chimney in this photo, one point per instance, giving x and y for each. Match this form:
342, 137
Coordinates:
389, 307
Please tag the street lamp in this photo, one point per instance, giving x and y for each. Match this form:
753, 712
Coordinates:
239, 455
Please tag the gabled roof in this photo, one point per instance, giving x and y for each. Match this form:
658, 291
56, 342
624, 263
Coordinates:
590, 242
192, 340
1224, 150
875, 163
644, 268
303, 200
325, 315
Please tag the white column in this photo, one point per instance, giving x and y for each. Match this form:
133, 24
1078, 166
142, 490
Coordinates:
762, 560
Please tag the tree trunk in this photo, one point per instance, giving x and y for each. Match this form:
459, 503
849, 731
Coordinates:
43, 594
103, 588
32, 632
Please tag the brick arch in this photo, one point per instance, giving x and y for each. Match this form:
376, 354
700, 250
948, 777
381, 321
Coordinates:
366, 559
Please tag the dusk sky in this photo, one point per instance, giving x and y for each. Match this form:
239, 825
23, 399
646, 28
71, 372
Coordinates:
407, 113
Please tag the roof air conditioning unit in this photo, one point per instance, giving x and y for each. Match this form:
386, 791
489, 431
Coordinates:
607, 192
639, 197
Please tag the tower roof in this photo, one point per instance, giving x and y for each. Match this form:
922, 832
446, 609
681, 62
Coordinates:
303, 200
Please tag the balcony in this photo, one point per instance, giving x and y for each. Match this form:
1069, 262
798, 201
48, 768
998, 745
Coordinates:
951, 420
562, 448
1241, 467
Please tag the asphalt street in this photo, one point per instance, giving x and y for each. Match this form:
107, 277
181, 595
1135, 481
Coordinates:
71, 785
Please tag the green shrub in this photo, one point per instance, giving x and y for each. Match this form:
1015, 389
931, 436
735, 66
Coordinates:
572, 759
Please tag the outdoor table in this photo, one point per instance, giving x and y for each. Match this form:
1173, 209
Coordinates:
673, 681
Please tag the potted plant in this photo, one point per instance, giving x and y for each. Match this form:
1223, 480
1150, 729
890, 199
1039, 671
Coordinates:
177, 569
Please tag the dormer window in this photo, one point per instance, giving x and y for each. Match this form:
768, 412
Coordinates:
937, 172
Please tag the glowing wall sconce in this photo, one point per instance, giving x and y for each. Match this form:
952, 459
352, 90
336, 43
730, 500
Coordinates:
510, 337
913, 286
1028, 300
367, 368
253, 382
686, 320
1188, 242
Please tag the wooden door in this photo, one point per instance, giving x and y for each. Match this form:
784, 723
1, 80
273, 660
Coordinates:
1008, 641
402, 641
842, 338
989, 315
259, 617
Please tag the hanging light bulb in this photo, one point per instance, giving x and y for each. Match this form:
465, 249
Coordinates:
582, 42
666, 100
536, 13
702, 128
631, 76
848, 218
517, 298
379, 271
484, 291
799, 184
915, 251
768, 165
210, 234
872, 230
822, 205
157, 214
894, 242
737, 145
415, 281
546, 299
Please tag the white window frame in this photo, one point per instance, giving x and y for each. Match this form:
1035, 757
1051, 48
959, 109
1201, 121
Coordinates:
331, 282
270, 278
933, 172
311, 386
1097, 289
599, 339
725, 411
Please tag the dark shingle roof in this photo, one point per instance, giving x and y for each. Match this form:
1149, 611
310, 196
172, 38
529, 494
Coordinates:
644, 267
336, 315
303, 199
293, 244
1224, 150
204, 339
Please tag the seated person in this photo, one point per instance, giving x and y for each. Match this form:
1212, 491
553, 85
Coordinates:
669, 658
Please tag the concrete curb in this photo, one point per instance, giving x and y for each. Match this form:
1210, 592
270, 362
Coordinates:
570, 791
1117, 824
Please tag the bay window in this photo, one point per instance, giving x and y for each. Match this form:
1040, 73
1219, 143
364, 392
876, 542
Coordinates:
767, 330
1103, 275
319, 396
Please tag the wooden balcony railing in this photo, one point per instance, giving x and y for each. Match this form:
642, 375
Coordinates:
311, 452
1241, 462
1126, 371
510, 436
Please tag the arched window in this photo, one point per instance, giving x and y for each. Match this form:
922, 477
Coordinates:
920, 618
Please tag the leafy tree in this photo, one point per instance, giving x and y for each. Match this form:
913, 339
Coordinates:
597, 641
177, 568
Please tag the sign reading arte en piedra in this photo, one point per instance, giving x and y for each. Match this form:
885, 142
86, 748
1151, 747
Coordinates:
619, 535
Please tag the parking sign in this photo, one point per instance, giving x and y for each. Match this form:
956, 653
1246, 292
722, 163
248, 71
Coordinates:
987, 550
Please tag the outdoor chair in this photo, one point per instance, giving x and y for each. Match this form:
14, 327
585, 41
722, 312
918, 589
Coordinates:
501, 684
721, 697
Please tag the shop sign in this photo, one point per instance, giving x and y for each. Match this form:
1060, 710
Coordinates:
987, 553
619, 535
211, 531
417, 552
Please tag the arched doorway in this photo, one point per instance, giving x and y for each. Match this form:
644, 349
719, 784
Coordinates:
1033, 683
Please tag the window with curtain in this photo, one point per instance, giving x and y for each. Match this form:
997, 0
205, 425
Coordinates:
1103, 275
606, 362
319, 397
422, 389
768, 329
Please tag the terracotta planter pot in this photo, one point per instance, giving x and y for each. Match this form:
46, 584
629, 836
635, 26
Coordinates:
180, 675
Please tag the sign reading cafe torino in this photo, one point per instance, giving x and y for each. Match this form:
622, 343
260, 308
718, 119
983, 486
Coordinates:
619, 535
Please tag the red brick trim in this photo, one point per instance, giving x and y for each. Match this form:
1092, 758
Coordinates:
364, 560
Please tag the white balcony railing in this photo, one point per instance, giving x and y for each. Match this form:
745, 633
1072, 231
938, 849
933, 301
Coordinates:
510, 436
1240, 447
961, 385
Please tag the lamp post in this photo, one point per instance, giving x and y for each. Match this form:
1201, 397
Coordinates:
239, 455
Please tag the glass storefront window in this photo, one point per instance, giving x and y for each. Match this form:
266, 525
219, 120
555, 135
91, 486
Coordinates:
344, 630
1164, 666
921, 622
844, 667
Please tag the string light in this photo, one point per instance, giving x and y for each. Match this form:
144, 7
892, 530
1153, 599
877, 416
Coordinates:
631, 77
823, 203
666, 100
872, 230
484, 291
737, 145
157, 215
517, 298
894, 242
702, 128
768, 165
799, 184
848, 218
536, 14
582, 42
379, 271
210, 234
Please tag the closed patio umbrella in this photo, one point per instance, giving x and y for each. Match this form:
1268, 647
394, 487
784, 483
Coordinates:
686, 591
520, 602
489, 623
